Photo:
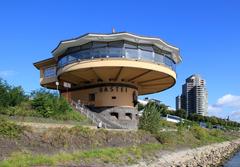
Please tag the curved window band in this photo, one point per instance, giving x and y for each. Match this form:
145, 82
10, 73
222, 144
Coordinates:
114, 52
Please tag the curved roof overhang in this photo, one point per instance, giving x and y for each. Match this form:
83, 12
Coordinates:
64, 45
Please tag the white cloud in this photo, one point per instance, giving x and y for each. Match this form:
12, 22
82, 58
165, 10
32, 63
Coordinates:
213, 108
236, 113
229, 101
7, 73
228, 105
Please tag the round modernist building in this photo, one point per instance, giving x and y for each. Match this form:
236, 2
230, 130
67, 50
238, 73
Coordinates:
107, 72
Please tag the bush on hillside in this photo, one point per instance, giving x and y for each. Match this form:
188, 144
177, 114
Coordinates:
9, 129
24, 109
150, 120
10, 95
199, 133
48, 104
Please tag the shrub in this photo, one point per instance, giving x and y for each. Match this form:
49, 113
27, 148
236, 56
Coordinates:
216, 133
9, 129
169, 138
69, 115
48, 104
199, 133
24, 109
150, 120
10, 95
167, 124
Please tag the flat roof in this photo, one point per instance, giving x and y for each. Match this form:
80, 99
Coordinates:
45, 62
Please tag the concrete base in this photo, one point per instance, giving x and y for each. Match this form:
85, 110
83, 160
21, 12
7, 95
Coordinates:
126, 117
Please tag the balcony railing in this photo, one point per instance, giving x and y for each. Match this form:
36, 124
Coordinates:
115, 52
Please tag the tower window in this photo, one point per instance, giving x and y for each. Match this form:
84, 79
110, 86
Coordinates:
128, 115
114, 97
114, 115
92, 97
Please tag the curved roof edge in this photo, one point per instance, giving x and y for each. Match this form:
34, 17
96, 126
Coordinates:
63, 45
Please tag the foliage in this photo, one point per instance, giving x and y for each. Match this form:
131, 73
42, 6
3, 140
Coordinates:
214, 121
198, 132
169, 138
43, 104
71, 115
48, 104
9, 129
117, 155
10, 95
24, 109
167, 124
150, 120
140, 107
181, 113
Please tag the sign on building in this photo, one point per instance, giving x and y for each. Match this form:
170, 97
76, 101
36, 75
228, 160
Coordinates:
66, 85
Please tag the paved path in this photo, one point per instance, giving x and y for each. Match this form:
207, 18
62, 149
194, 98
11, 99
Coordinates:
45, 126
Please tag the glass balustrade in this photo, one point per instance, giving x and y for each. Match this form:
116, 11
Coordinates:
117, 52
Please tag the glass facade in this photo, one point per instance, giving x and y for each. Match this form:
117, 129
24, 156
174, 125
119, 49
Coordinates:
49, 72
117, 49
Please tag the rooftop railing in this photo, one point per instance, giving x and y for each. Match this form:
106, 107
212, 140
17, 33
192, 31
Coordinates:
120, 53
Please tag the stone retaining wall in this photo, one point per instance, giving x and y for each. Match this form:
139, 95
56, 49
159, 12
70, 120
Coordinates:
210, 155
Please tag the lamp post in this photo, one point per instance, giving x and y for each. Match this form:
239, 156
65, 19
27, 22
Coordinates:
57, 84
67, 86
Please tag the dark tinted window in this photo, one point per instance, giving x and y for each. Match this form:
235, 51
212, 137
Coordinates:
116, 44
130, 45
99, 44
146, 47
73, 49
92, 97
86, 46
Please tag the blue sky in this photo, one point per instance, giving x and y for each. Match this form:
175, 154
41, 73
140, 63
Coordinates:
207, 32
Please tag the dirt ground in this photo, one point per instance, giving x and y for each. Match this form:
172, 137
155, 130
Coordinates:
53, 139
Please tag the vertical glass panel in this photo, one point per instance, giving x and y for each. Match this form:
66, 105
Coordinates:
169, 62
146, 55
63, 61
131, 53
99, 52
158, 58
72, 58
84, 54
115, 52
157, 50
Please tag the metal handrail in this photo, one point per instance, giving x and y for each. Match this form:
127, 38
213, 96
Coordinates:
84, 110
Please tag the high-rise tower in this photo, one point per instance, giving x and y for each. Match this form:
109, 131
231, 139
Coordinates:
194, 98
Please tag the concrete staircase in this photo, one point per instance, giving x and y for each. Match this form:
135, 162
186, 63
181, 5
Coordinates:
95, 117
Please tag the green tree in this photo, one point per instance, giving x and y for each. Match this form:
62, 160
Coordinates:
150, 120
4, 95
16, 96
140, 106
48, 104
10, 95
181, 113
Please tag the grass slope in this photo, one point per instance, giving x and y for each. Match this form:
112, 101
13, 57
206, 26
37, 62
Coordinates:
104, 147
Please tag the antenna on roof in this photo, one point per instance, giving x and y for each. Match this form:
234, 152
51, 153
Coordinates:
113, 30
